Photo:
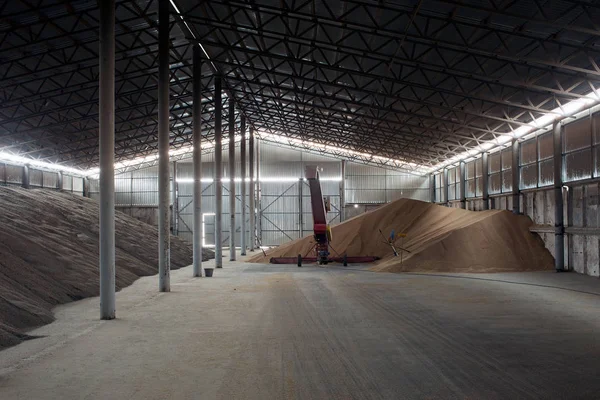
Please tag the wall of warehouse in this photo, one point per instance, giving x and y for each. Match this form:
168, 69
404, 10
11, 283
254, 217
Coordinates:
581, 191
12, 175
283, 193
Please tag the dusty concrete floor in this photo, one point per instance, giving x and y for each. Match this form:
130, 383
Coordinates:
276, 332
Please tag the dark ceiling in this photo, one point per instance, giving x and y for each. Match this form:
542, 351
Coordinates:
419, 81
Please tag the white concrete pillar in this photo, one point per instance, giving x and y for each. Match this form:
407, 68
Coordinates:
218, 176
252, 194
243, 183
485, 181
164, 261
559, 242
232, 251
107, 158
516, 177
197, 162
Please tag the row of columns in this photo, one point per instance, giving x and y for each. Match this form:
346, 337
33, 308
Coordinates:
106, 149
232, 191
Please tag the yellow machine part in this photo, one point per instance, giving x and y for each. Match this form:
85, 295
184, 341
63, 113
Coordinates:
328, 233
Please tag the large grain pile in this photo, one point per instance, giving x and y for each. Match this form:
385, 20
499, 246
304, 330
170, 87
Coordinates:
439, 239
49, 255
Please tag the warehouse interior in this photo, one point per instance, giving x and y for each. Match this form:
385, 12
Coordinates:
164, 165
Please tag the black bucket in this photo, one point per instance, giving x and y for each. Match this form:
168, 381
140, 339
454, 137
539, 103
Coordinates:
208, 272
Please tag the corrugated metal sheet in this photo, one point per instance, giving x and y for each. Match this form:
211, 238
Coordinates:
506, 181
529, 176
546, 172
406, 181
495, 163
452, 192
470, 170
438, 179
36, 177
578, 165
453, 175
68, 184
495, 181
78, 185
577, 135
506, 159
365, 196
528, 152
276, 188
366, 182
416, 194
283, 204
546, 146
14, 174
282, 170
279, 199
360, 169
50, 179
479, 167
470, 188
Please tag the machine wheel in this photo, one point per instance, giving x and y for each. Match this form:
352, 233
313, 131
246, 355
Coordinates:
345, 260
299, 260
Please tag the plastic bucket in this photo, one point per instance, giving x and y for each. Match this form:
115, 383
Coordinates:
208, 272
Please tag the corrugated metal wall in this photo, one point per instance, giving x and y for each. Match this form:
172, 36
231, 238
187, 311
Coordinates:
13, 175
283, 190
367, 185
581, 179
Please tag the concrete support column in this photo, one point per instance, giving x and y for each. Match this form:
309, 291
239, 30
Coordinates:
300, 207
86, 187
107, 158
218, 176
164, 262
59, 180
258, 196
463, 186
243, 183
25, 177
559, 242
432, 188
232, 252
485, 181
174, 201
343, 192
445, 186
516, 177
252, 193
197, 161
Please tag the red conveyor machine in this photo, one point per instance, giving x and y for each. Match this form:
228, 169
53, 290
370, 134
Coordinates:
322, 230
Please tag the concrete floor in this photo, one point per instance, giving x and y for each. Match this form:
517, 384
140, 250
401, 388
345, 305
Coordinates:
278, 332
